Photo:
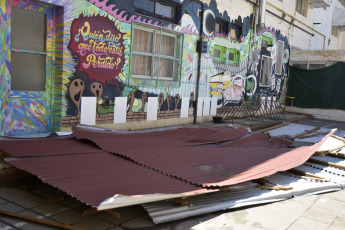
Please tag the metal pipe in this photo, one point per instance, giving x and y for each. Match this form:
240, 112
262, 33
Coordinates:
199, 64
295, 19
262, 12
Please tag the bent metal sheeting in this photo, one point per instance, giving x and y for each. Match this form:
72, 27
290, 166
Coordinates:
91, 175
204, 165
150, 166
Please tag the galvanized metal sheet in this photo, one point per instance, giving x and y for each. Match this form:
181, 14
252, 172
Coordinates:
167, 211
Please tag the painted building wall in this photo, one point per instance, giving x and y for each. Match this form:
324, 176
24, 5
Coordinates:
91, 44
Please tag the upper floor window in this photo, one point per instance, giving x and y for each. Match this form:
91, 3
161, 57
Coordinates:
235, 31
302, 7
156, 54
335, 31
157, 8
222, 27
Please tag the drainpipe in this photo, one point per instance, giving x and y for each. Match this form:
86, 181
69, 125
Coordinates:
262, 14
297, 20
199, 63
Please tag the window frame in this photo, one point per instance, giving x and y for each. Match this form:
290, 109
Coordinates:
224, 25
237, 30
302, 7
155, 15
236, 55
47, 53
177, 58
223, 51
335, 31
261, 84
266, 39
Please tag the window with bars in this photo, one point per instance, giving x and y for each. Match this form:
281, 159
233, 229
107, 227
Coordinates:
28, 56
156, 53
302, 7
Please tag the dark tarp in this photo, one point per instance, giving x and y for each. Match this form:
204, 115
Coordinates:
321, 88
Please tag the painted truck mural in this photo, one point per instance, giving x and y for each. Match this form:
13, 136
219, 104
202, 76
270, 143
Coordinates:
137, 49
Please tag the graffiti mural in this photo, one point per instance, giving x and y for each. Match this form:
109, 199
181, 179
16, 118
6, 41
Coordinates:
98, 47
90, 55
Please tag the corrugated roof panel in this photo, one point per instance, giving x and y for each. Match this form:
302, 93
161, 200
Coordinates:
258, 140
166, 211
93, 176
201, 165
291, 129
331, 159
334, 174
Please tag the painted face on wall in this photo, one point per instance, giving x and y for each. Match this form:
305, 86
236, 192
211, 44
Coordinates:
143, 101
76, 89
168, 101
131, 99
177, 100
191, 99
97, 89
160, 100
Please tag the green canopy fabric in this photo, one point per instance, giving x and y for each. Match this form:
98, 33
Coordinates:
321, 88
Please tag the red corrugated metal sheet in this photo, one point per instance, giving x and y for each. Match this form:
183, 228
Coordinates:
89, 174
206, 166
258, 140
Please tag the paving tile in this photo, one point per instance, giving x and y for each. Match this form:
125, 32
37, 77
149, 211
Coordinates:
36, 226
29, 202
311, 198
70, 217
11, 207
2, 201
304, 223
126, 214
12, 194
50, 209
71, 202
320, 215
3, 226
16, 222
338, 224
262, 217
138, 222
342, 213
94, 223
54, 193
329, 205
116, 228
340, 196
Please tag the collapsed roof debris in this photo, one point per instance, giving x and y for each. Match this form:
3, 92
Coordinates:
108, 169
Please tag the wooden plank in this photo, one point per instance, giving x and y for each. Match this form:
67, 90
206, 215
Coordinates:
307, 132
33, 219
326, 163
303, 173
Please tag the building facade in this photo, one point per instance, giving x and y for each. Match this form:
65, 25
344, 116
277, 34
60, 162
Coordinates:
112, 61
